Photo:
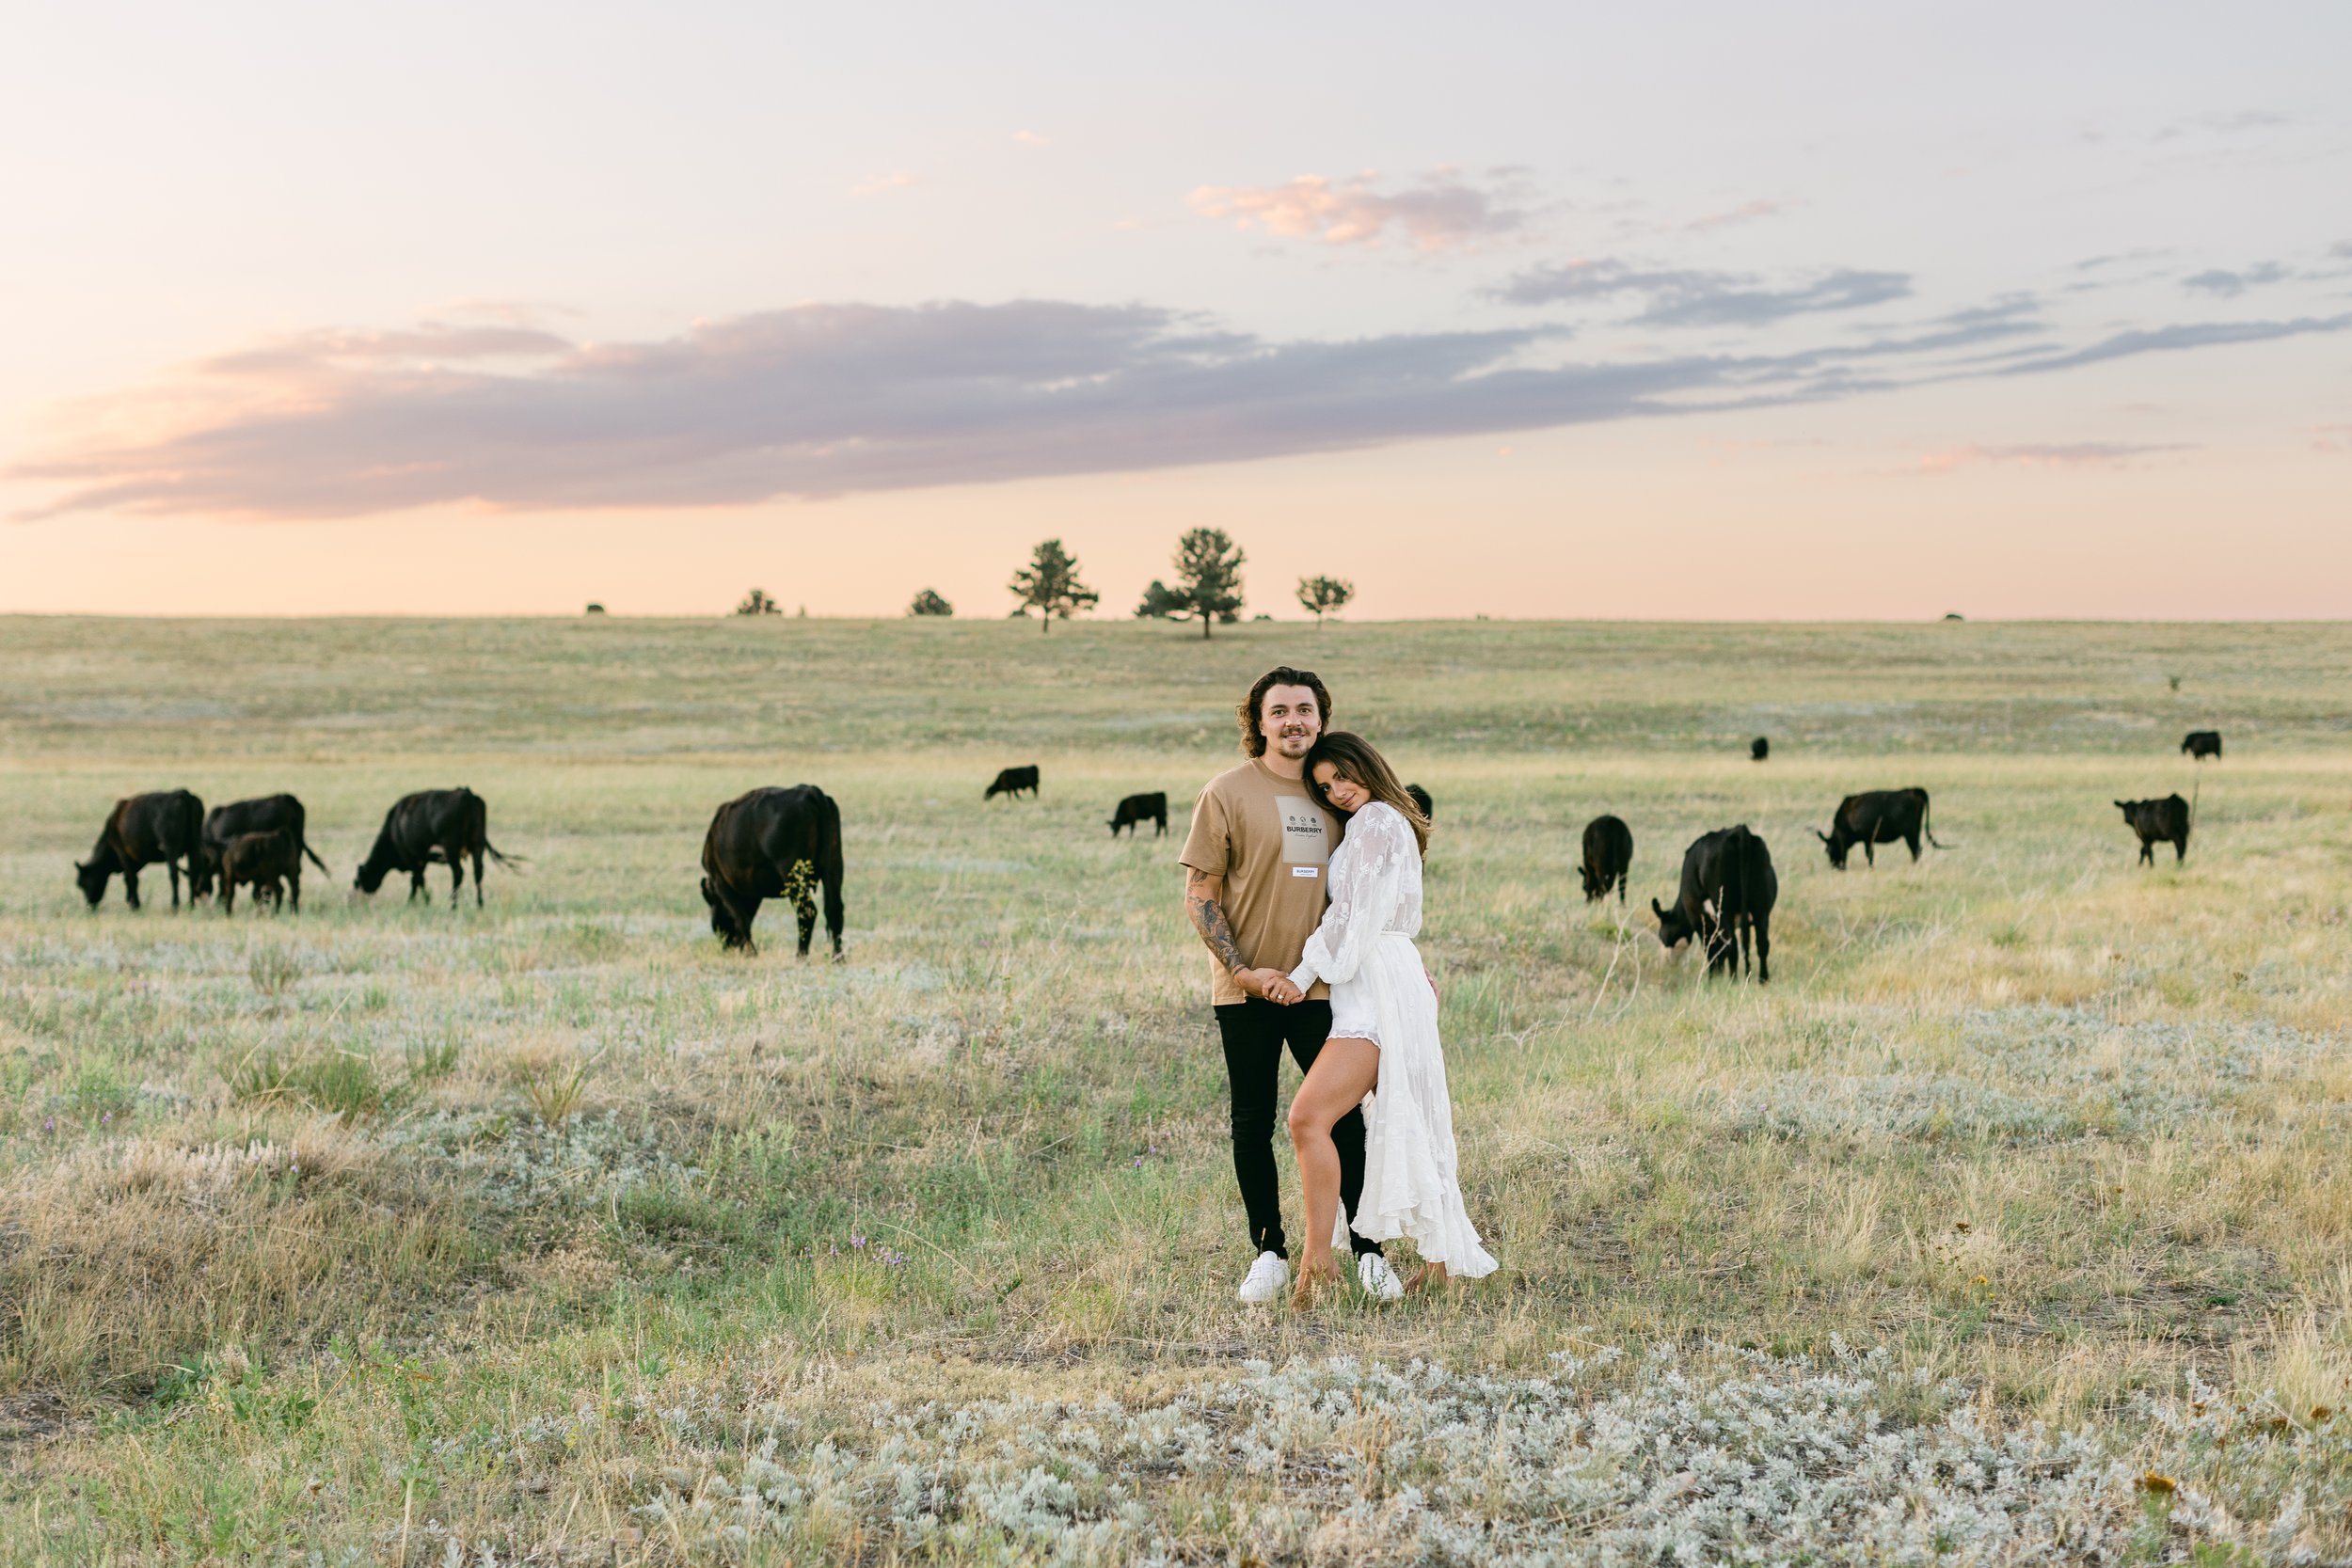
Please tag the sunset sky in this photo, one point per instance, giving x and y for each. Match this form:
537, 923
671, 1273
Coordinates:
1704, 311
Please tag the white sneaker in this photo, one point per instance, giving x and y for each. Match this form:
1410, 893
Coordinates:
1378, 1280
1266, 1279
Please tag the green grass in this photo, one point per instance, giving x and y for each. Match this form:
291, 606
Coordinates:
314, 1228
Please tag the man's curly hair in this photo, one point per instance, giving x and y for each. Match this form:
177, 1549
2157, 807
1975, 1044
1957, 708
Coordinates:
1252, 738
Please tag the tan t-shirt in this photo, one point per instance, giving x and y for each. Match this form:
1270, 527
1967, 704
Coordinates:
1271, 840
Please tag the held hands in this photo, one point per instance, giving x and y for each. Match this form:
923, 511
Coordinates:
1271, 984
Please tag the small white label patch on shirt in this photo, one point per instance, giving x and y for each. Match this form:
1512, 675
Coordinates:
1304, 870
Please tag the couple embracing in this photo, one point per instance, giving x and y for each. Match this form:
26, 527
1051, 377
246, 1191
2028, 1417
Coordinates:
1302, 875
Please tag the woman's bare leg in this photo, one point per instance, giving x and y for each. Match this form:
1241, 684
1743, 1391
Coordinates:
1429, 1276
1345, 1071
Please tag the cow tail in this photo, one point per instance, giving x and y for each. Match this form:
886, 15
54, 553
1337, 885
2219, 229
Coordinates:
828, 846
1926, 813
482, 833
1739, 868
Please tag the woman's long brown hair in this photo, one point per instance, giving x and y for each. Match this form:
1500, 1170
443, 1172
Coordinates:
1355, 759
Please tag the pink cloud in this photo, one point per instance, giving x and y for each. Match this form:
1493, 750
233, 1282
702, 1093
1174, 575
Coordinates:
1747, 212
2331, 437
1442, 213
2043, 455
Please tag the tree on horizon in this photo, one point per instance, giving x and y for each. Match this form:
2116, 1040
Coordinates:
756, 602
929, 602
1324, 595
1050, 583
1208, 582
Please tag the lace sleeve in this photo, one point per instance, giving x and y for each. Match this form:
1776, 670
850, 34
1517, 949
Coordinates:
1364, 897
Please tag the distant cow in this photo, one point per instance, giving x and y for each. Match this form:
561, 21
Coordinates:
1876, 816
1420, 799
1012, 781
268, 862
433, 825
167, 826
1728, 888
1136, 809
265, 813
2163, 821
2200, 744
1759, 749
774, 844
1608, 857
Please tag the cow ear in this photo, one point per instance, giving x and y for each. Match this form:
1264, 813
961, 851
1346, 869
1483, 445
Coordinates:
1656, 910
1823, 836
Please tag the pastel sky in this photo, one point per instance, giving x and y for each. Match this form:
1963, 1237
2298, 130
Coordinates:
1678, 310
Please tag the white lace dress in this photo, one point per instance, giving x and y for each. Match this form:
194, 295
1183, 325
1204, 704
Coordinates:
1379, 992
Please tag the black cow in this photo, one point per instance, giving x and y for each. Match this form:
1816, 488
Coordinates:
167, 826
2163, 821
1420, 799
433, 825
773, 844
2200, 744
267, 862
1759, 749
1876, 816
265, 813
1728, 888
1608, 857
1012, 781
1136, 809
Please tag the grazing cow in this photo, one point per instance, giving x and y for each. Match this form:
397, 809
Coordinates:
1012, 781
2200, 744
1608, 857
1759, 749
1420, 799
1728, 888
1136, 809
264, 814
167, 826
773, 844
433, 825
1876, 816
2163, 821
267, 862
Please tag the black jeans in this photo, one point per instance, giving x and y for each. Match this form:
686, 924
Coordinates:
1255, 1032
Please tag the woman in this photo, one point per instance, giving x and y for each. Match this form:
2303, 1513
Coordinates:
1383, 1051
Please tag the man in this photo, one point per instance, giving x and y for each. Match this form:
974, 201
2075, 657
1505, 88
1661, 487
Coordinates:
1254, 867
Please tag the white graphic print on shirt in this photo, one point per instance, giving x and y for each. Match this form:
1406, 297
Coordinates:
1306, 838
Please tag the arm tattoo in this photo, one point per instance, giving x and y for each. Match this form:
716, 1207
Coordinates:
1208, 918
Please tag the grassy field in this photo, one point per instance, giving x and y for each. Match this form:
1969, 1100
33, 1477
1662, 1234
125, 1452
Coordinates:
2013, 1222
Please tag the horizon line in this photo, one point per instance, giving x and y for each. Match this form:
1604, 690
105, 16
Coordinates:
1476, 619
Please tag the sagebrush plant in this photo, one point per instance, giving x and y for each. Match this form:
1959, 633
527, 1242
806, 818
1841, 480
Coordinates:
2010, 1219
274, 971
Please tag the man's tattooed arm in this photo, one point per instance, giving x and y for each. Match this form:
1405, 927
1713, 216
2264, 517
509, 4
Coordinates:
1201, 895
